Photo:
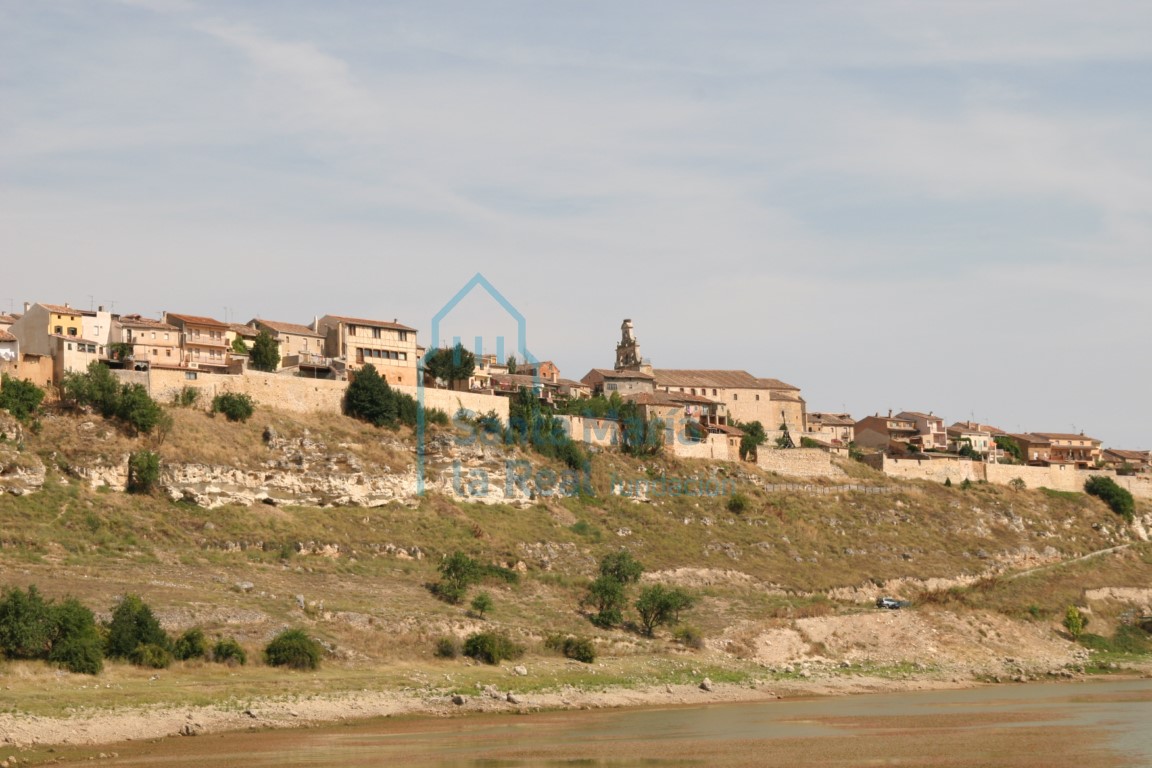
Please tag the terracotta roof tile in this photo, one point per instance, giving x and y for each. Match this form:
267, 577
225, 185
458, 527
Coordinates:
5, 336
136, 321
1065, 436
62, 309
609, 373
372, 323
197, 320
681, 377
293, 328
246, 331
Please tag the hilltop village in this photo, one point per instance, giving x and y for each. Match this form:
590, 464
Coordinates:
709, 414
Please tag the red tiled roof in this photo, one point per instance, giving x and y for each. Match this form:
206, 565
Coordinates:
680, 377
243, 330
197, 320
831, 419
293, 328
5, 336
62, 309
1065, 436
6, 318
609, 373
372, 323
136, 321
1132, 455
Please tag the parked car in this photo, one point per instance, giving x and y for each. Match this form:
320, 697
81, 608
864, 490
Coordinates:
890, 603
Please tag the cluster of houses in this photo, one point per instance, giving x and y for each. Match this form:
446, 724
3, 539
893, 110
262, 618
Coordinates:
47, 341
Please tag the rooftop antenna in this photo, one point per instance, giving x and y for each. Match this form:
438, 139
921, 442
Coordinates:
91, 302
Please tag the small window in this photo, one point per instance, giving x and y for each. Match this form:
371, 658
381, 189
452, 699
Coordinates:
167, 353
72, 332
757, 397
190, 375
155, 352
165, 336
153, 334
59, 330
375, 333
735, 396
713, 392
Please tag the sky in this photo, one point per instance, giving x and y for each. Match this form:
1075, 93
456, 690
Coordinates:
927, 205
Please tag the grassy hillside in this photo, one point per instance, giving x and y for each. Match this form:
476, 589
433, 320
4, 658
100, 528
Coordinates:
357, 578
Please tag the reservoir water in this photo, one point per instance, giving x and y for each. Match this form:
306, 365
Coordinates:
1106, 723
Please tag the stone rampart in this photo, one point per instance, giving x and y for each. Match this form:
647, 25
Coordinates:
797, 462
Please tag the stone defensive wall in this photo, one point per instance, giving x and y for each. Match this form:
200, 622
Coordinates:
1058, 477
295, 394
797, 462
604, 433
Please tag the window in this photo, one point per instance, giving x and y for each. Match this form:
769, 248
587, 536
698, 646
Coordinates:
610, 386
375, 333
735, 396
155, 352
72, 332
59, 330
153, 334
402, 335
190, 375
167, 353
351, 330
757, 397
403, 356
165, 336
713, 392
69, 346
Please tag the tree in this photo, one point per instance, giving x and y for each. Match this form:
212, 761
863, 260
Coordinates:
20, 398
143, 471
294, 649
239, 347
481, 604
659, 605
622, 567
606, 596
1074, 621
133, 624
511, 363
1017, 484
25, 624
1010, 447
457, 573
370, 399
265, 354
1117, 498
638, 437
451, 364
754, 437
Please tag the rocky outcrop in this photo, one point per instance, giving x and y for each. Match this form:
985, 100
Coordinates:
305, 471
21, 471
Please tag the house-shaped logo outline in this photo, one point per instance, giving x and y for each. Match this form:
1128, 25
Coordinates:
521, 348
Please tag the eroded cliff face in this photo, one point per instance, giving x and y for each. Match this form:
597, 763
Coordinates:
307, 471
21, 470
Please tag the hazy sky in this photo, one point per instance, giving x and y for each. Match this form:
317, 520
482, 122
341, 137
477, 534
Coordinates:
907, 204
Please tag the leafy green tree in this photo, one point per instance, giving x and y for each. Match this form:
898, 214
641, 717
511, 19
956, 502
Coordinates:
25, 624
293, 648
511, 364
228, 651
20, 398
458, 572
451, 364
1074, 621
606, 595
659, 605
76, 641
138, 409
529, 424
239, 347
1117, 498
133, 624
265, 354
191, 645
637, 436
622, 567
481, 604
1010, 447
143, 471
370, 399
754, 437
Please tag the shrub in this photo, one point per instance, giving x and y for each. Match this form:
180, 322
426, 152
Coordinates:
457, 573
138, 410
622, 567
1017, 484
20, 398
187, 397
235, 406
1074, 621
606, 596
190, 645
101, 390
1118, 499
491, 647
228, 651
689, 637
132, 625
151, 655
481, 604
447, 648
580, 649
143, 471
370, 399
293, 648
737, 503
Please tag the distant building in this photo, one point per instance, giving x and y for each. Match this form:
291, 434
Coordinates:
389, 346
204, 341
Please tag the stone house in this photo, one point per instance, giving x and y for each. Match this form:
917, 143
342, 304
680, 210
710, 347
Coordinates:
929, 430
1034, 449
152, 342
389, 346
203, 340
1138, 461
606, 381
74, 355
747, 398
1084, 452
836, 429
298, 344
884, 432
40, 322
